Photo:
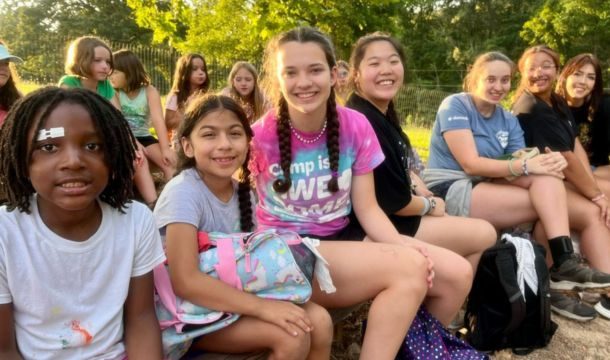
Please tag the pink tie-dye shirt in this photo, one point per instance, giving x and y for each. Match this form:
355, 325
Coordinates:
308, 207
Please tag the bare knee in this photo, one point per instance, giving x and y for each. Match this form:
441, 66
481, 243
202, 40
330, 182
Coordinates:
410, 273
322, 334
291, 347
487, 234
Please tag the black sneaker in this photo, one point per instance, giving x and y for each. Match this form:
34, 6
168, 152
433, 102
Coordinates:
603, 306
574, 273
571, 307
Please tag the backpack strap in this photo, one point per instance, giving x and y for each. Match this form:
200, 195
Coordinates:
227, 263
508, 279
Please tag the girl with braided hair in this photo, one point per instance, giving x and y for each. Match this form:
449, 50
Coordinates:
76, 255
312, 161
214, 137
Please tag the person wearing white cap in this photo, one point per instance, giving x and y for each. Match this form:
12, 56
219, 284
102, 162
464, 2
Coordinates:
8, 88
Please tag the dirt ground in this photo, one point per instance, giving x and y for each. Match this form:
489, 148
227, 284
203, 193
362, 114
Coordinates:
573, 340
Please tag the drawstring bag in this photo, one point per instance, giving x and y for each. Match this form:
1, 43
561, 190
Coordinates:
428, 339
272, 264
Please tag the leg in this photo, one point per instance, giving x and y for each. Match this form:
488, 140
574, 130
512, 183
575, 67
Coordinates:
452, 282
468, 237
241, 337
594, 234
153, 153
525, 199
394, 275
602, 172
321, 337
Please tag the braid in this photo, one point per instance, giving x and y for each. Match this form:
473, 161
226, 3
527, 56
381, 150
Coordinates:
282, 185
245, 200
332, 141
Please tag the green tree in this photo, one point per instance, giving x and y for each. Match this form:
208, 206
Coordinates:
40, 30
237, 29
443, 37
571, 27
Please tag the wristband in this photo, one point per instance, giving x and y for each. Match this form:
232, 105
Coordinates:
426, 208
524, 168
599, 197
510, 167
432, 205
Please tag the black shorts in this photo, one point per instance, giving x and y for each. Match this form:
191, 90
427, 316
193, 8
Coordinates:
441, 189
146, 141
406, 225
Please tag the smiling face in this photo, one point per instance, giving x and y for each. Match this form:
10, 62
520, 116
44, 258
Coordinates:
243, 82
580, 83
100, 66
493, 82
219, 145
305, 78
68, 171
380, 74
540, 72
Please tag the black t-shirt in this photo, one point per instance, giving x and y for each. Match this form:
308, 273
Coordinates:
545, 125
392, 180
594, 135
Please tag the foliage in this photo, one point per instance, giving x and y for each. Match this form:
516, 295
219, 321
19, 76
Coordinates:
571, 27
449, 34
237, 29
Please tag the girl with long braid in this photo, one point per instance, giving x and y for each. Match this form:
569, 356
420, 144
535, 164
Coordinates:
312, 161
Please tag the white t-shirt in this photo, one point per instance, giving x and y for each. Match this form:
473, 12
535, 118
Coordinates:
68, 296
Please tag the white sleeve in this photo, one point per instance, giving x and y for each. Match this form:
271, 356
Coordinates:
149, 251
5, 293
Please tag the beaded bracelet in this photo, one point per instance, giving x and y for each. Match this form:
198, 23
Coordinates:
599, 197
510, 167
524, 168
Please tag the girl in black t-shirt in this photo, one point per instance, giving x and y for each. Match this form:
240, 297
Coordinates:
580, 84
377, 66
547, 121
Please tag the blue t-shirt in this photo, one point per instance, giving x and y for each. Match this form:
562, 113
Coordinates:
494, 136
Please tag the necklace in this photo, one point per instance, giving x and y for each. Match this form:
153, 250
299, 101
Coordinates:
307, 141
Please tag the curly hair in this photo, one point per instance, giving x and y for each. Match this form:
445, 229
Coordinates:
270, 81
200, 107
31, 112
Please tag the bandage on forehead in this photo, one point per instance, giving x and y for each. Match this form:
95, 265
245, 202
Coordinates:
51, 133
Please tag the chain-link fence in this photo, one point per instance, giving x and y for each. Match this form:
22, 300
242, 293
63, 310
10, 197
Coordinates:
45, 56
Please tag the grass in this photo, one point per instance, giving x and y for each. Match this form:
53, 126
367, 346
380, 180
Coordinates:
27, 87
420, 140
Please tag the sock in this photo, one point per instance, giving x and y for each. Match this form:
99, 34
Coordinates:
561, 249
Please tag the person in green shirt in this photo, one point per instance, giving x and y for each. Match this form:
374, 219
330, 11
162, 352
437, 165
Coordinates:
88, 65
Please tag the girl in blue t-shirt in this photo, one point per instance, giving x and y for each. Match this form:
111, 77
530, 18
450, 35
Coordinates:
88, 65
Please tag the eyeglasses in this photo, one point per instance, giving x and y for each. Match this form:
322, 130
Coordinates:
544, 67
343, 74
